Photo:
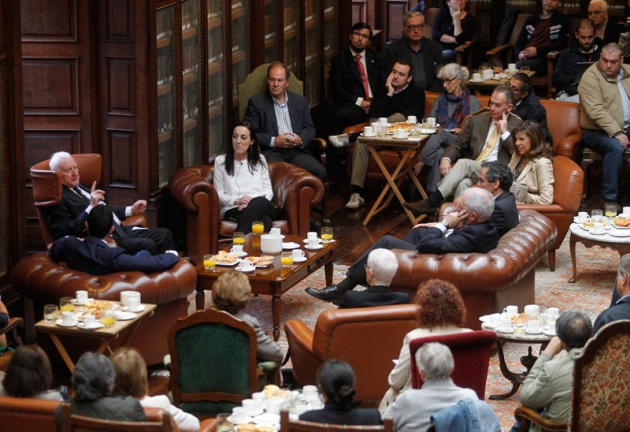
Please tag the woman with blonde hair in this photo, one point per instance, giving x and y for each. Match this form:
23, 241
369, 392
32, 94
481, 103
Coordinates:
131, 380
441, 311
230, 293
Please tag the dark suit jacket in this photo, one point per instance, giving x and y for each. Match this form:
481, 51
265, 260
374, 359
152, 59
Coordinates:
480, 237
261, 115
375, 295
93, 256
530, 108
69, 216
473, 135
432, 54
345, 80
505, 214
408, 102
335, 414
620, 311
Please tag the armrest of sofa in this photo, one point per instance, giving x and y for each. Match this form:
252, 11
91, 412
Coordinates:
569, 146
186, 183
303, 360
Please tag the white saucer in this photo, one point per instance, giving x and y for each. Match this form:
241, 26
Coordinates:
318, 247
488, 318
125, 316
477, 81
401, 138
95, 325
596, 233
267, 419
241, 255
290, 245
502, 330
364, 135
299, 260
140, 309
619, 233
549, 332
528, 331
60, 323
318, 240
76, 302
427, 131
245, 271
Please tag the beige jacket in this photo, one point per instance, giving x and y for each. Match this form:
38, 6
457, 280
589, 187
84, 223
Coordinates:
600, 100
538, 177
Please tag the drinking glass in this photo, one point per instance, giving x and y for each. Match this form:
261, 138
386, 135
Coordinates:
597, 215
66, 305
525, 69
238, 238
258, 227
611, 210
497, 66
327, 234
50, 312
286, 259
209, 262
109, 317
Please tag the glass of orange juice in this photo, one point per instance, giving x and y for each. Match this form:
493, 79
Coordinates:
109, 317
258, 227
238, 238
286, 259
327, 234
209, 262
66, 305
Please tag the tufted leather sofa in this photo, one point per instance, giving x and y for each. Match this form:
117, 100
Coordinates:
488, 282
366, 338
41, 281
295, 190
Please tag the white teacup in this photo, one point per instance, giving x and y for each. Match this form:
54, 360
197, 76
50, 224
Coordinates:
312, 243
512, 67
246, 265
134, 304
125, 295
239, 414
582, 217
598, 228
511, 310
274, 231
67, 318
488, 74
311, 235
251, 406
505, 325
400, 133
477, 77
368, 131
237, 249
382, 120
297, 254
275, 404
82, 297
412, 119
431, 121
309, 390
259, 397
626, 211
533, 326
89, 319
532, 311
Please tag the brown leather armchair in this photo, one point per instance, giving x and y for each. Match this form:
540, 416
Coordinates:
366, 338
295, 190
488, 282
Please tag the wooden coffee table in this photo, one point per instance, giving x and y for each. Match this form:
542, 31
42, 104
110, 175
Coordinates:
274, 280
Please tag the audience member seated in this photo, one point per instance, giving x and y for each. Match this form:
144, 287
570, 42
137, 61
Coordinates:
496, 178
485, 137
585, 48
603, 101
450, 110
403, 99
69, 216
527, 103
423, 53
412, 410
548, 384
93, 255
542, 33
29, 375
93, 382
380, 269
619, 308
230, 293
355, 79
472, 232
335, 380
442, 311
241, 178
606, 30
531, 165
4, 320
283, 124
131, 380
452, 27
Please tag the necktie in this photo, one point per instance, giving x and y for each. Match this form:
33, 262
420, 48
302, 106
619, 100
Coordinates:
364, 79
490, 143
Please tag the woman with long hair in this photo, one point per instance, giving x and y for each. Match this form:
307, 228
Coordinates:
453, 26
29, 375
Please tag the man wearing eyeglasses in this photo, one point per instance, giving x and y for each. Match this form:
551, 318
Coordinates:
604, 29
541, 34
422, 53
527, 103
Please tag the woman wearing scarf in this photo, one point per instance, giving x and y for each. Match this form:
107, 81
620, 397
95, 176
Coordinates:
450, 110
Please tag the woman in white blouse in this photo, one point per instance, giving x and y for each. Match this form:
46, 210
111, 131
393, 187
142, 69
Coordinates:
241, 178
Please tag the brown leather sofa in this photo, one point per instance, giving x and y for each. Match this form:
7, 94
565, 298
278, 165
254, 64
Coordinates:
488, 282
41, 281
295, 190
366, 338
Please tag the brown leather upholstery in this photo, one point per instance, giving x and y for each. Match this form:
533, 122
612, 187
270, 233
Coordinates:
295, 190
287, 425
366, 338
41, 281
487, 282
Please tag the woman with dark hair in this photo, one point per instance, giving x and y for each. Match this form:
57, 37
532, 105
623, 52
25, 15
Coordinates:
531, 165
441, 311
452, 27
29, 375
93, 382
335, 380
241, 178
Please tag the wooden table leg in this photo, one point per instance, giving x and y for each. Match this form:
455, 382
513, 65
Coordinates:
573, 259
200, 297
276, 309
328, 270
64, 354
516, 379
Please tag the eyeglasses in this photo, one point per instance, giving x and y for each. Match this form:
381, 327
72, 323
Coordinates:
448, 80
595, 12
515, 89
361, 35
414, 27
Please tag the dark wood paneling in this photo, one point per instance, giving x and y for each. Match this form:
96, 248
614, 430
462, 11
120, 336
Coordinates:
392, 18
49, 20
120, 75
119, 21
51, 87
123, 173
360, 11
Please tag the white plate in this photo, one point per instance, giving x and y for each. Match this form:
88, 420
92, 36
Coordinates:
290, 245
596, 233
619, 233
318, 240
501, 330
245, 271
550, 333
619, 227
528, 331
60, 323
477, 81
492, 325
488, 318
95, 325
364, 135
125, 316
299, 260
318, 247
227, 264
76, 302
427, 131
241, 255
267, 419
126, 308
401, 138
241, 420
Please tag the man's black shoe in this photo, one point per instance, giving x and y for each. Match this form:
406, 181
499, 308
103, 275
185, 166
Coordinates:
421, 207
329, 294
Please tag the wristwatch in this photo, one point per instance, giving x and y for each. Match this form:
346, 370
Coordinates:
445, 222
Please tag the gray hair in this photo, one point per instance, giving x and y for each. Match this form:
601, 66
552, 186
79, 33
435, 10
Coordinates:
624, 265
480, 201
612, 48
435, 360
600, 2
452, 71
574, 328
411, 14
56, 158
93, 377
384, 264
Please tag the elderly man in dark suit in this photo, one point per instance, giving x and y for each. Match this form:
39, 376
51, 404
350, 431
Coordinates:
93, 255
69, 216
355, 79
283, 124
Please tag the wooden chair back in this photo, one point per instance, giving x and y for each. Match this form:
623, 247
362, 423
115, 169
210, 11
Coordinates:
287, 425
77, 423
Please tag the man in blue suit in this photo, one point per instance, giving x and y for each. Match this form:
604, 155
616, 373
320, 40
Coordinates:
283, 124
93, 255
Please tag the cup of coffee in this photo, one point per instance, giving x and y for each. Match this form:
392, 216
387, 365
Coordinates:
431, 121
532, 311
505, 325
626, 212
511, 310
582, 217
412, 119
512, 67
259, 398
126, 295
311, 235
533, 326
89, 319
251, 406
598, 228
274, 231
67, 318
312, 242
298, 254
237, 249
488, 74
382, 120
309, 390
400, 133
368, 131
246, 265
134, 304
81, 297
477, 77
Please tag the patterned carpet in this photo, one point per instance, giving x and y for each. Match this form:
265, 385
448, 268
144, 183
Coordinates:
596, 273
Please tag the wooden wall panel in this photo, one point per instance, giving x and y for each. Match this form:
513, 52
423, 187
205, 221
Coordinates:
120, 75
123, 145
49, 20
360, 11
50, 86
392, 18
